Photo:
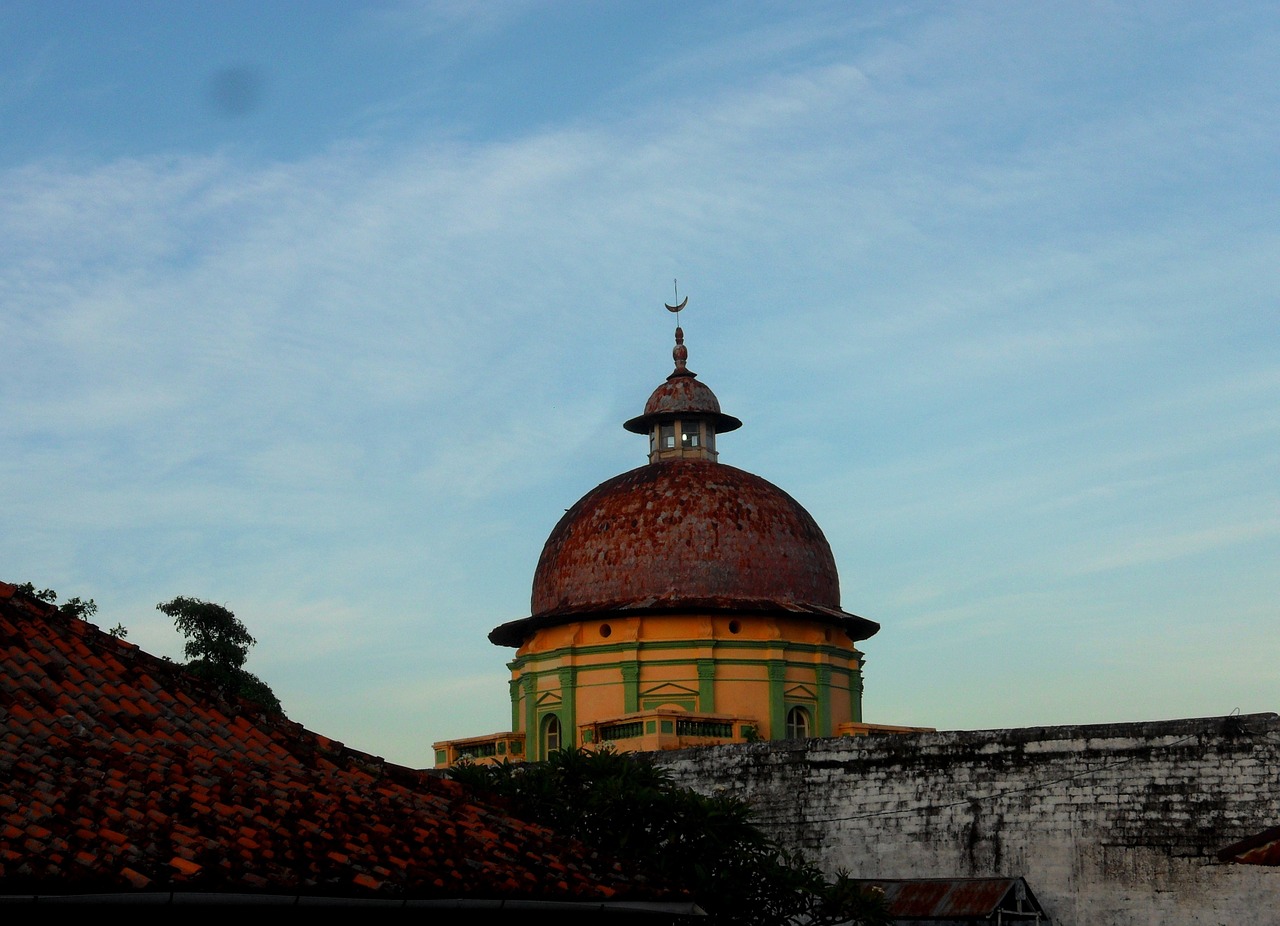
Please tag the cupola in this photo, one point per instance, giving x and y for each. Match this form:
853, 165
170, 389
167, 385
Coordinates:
682, 416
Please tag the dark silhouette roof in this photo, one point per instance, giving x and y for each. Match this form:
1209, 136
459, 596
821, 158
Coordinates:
121, 773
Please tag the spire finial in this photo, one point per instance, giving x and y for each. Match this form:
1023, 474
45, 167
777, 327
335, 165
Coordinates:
679, 352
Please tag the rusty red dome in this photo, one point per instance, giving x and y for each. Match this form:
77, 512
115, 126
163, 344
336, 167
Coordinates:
685, 534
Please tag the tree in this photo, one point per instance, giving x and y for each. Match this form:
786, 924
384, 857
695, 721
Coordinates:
624, 806
217, 648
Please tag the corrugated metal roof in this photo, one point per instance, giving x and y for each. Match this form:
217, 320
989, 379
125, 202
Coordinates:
955, 899
1260, 849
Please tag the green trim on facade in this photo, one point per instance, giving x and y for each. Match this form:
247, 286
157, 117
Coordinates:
693, 691
597, 680
538, 752
514, 686
809, 709
630, 685
530, 685
668, 688
707, 686
720, 662
705, 642
569, 717
822, 707
653, 704
777, 670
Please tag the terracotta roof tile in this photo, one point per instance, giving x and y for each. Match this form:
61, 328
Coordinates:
119, 771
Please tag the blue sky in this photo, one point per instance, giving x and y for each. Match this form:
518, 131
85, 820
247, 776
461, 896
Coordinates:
327, 311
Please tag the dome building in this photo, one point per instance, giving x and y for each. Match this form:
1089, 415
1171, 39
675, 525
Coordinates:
686, 602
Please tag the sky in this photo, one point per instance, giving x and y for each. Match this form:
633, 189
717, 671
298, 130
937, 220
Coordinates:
327, 311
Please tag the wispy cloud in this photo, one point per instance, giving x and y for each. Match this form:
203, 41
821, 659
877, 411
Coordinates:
991, 330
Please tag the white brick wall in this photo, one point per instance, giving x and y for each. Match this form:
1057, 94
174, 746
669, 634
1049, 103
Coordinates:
1111, 825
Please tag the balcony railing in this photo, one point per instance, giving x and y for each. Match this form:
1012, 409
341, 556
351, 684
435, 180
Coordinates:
693, 727
496, 747
621, 731
667, 729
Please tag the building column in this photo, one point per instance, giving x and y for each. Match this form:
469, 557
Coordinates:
514, 685
568, 707
532, 742
777, 669
630, 687
855, 693
707, 686
822, 722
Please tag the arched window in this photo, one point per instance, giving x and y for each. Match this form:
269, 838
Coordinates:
550, 734
797, 724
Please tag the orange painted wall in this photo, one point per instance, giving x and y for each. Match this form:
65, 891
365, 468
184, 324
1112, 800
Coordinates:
667, 649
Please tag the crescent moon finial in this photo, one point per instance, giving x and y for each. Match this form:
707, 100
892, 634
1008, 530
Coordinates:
677, 308
681, 353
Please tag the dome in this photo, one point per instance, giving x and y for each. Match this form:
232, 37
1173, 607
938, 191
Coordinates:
682, 394
685, 534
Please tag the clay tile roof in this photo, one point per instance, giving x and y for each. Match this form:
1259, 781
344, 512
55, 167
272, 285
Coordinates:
119, 772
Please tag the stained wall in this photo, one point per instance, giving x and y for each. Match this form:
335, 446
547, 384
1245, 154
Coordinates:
1110, 824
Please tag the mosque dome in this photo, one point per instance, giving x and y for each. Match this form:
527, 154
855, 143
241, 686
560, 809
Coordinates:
684, 533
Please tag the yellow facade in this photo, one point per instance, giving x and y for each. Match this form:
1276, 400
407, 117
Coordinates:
672, 680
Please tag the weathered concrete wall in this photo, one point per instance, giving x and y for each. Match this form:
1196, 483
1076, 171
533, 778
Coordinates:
1110, 824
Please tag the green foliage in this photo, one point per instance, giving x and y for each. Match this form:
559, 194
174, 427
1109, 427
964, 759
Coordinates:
80, 609
217, 648
624, 806
72, 607
47, 595
214, 634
